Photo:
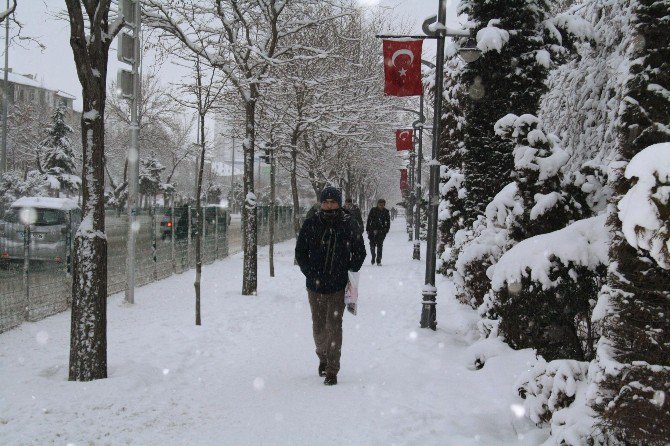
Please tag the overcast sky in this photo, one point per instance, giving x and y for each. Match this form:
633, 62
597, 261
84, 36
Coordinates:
54, 66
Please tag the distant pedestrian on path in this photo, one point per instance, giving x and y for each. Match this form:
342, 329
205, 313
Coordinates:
394, 213
378, 225
355, 212
329, 246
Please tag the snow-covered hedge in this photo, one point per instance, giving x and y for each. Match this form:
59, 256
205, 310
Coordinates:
550, 386
645, 209
478, 248
544, 290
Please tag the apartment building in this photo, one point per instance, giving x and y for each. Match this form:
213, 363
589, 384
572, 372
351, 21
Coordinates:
24, 88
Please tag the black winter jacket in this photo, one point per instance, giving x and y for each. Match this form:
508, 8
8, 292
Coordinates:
327, 249
356, 215
379, 221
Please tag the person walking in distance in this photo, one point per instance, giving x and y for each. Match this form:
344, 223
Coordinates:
329, 246
355, 212
378, 225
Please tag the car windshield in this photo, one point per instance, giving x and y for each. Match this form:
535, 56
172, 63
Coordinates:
42, 216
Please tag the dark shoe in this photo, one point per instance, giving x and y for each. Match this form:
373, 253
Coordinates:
330, 380
322, 369
379, 263
373, 261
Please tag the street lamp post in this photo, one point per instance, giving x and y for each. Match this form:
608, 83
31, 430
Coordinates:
418, 125
133, 155
469, 53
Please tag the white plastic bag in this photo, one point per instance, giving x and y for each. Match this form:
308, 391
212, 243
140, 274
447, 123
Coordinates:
351, 292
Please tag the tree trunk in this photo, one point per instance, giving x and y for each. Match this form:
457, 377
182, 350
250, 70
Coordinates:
250, 266
294, 190
272, 213
294, 186
88, 331
199, 218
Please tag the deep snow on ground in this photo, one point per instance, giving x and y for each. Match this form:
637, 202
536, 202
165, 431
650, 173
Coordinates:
248, 376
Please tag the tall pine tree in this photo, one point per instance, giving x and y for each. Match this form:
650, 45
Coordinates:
56, 158
508, 78
150, 177
632, 367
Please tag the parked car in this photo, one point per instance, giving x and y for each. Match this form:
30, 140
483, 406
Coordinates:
52, 223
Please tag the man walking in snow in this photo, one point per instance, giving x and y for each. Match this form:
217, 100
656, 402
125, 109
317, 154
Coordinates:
329, 246
378, 225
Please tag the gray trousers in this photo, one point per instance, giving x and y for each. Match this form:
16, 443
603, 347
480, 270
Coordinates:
327, 312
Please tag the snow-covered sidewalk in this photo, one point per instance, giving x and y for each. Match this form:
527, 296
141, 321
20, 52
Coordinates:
248, 376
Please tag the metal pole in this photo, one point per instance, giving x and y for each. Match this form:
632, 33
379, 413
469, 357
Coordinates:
412, 200
26, 268
232, 177
133, 162
417, 216
272, 211
428, 313
5, 100
173, 255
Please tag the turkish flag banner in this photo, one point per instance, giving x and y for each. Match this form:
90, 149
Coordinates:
403, 179
403, 139
402, 67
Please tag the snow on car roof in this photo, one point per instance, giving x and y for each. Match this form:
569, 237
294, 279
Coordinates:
64, 204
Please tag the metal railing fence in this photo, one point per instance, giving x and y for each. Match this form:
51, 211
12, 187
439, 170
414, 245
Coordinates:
35, 263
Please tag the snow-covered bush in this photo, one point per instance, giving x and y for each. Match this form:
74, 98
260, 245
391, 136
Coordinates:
450, 210
589, 187
550, 386
544, 289
476, 250
644, 210
538, 162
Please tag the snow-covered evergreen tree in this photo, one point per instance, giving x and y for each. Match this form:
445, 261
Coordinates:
56, 158
632, 368
150, 176
538, 162
508, 78
452, 187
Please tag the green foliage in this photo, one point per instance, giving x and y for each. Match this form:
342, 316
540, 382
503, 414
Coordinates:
556, 321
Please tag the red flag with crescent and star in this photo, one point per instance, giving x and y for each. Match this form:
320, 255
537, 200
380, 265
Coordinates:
403, 139
402, 67
404, 184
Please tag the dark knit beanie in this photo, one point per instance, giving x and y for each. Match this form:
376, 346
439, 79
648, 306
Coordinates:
331, 193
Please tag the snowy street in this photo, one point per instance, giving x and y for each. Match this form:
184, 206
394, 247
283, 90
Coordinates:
248, 375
